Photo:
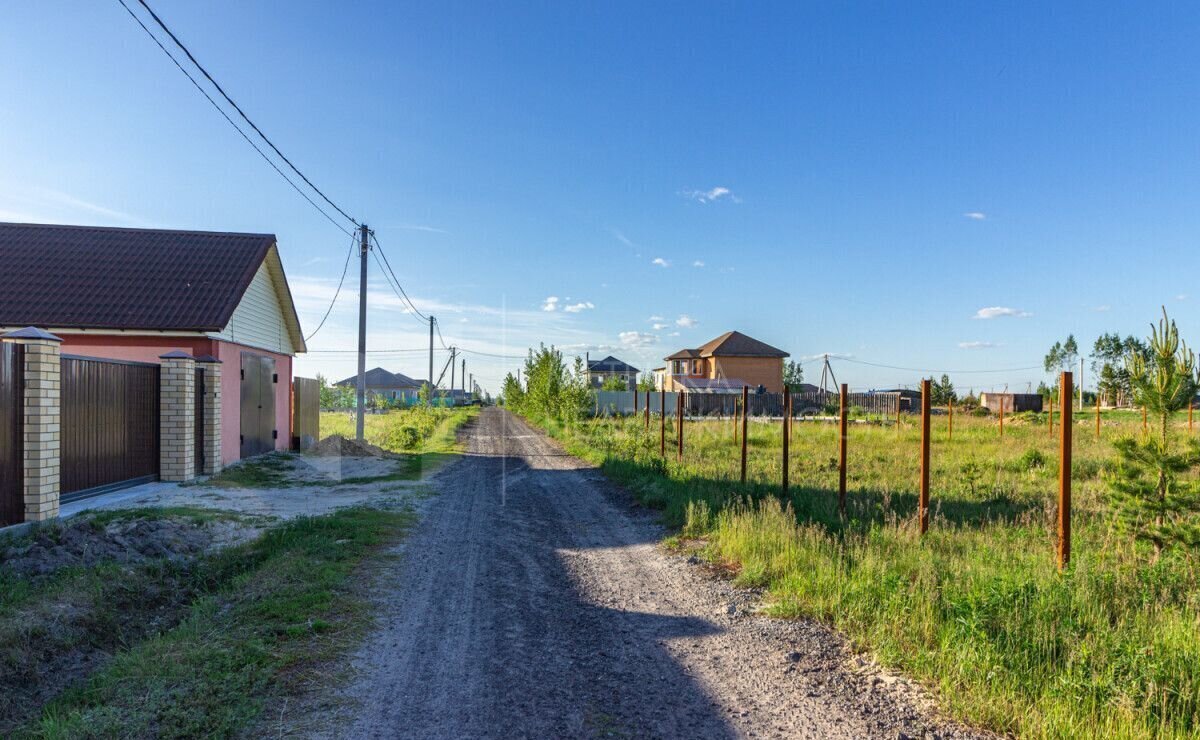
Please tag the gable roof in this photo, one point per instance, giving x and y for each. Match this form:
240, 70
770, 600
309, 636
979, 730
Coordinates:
379, 378
611, 364
730, 344
92, 277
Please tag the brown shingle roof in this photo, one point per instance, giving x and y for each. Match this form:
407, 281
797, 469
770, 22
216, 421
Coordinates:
89, 277
730, 344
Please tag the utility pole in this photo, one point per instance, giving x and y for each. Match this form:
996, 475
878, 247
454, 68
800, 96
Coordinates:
431, 357
464, 376
453, 354
361, 393
472, 384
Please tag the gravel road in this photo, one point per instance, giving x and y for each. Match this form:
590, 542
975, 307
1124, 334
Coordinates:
533, 601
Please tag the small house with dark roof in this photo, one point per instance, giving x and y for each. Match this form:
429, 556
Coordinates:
725, 365
135, 295
610, 367
382, 383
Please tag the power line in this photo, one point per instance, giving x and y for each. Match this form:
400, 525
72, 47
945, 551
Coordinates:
232, 123
236, 107
438, 325
399, 287
399, 293
490, 354
336, 293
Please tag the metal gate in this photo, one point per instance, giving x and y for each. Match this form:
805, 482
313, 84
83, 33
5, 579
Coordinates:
258, 404
201, 389
109, 425
12, 434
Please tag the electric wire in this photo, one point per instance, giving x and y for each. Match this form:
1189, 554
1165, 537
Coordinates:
398, 287
236, 107
927, 370
336, 293
232, 123
399, 292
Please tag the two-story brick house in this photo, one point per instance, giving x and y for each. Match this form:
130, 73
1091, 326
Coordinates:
724, 365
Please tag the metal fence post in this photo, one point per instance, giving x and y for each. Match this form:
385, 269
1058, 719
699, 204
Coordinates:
787, 402
1001, 415
679, 426
1051, 416
662, 422
842, 450
1064, 477
647, 411
923, 501
1097, 415
745, 410
950, 428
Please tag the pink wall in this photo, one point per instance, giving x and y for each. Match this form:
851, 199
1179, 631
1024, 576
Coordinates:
150, 348
230, 356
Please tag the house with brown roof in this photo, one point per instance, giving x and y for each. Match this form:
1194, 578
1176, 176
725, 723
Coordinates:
724, 365
135, 295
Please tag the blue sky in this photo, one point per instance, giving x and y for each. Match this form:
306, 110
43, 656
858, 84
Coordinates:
858, 179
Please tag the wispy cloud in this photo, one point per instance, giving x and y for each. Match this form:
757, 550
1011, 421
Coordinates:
422, 227
1101, 309
996, 312
620, 236
1181, 297
660, 262
656, 318
550, 304
711, 195
685, 321
975, 215
578, 307
637, 339
977, 345
659, 326
698, 263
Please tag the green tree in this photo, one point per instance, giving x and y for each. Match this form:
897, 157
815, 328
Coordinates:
1062, 356
793, 375
1150, 490
511, 392
552, 390
614, 383
1109, 353
942, 391
646, 383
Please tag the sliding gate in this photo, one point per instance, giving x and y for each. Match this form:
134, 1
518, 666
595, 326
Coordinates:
109, 425
12, 434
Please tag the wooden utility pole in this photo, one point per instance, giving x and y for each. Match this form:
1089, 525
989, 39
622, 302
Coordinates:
787, 402
431, 381
745, 401
923, 500
361, 390
1064, 477
844, 396
453, 355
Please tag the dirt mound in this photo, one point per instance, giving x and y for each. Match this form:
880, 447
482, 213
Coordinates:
339, 446
83, 542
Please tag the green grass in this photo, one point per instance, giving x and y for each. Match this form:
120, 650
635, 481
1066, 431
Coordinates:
260, 616
433, 430
977, 608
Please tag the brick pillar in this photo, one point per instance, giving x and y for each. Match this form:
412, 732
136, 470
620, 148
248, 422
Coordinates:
177, 417
43, 411
212, 414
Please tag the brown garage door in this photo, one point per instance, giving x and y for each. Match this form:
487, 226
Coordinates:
12, 434
109, 425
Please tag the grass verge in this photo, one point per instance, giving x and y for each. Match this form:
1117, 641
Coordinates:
259, 615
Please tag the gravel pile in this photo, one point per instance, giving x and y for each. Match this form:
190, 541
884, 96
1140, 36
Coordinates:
339, 446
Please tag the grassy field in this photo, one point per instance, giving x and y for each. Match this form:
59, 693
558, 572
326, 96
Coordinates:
418, 429
976, 609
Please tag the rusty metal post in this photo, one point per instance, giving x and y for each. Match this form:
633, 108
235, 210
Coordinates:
679, 427
787, 404
662, 422
1051, 416
923, 501
897, 413
1190, 403
735, 421
1064, 477
745, 410
1145, 421
845, 394
1001, 415
635, 401
950, 427
1097, 415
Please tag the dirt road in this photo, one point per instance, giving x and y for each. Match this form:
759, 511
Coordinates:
532, 601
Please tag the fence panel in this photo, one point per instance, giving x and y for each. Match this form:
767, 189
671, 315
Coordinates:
110, 425
723, 405
306, 413
12, 434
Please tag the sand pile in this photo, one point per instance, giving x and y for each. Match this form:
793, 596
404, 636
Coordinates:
339, 446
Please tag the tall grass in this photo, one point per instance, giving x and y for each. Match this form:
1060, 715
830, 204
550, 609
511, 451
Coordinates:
977, 608
415, 429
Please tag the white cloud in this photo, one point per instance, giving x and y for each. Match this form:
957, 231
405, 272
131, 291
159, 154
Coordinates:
673, 334
656, 318
975, 215
659, 326
711, 195
577, 307
698, 263
977, 345
687, 322
422, 227
622, 238
660, 262
550, 304
637, 339
995, 312
1101, 309
1181, 297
